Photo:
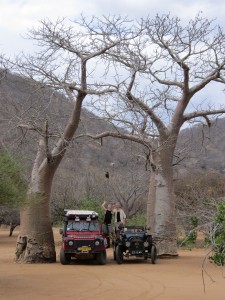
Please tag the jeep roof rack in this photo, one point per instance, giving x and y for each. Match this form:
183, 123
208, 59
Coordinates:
81, 214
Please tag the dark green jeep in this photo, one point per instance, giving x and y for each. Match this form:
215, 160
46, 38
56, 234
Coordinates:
134, 241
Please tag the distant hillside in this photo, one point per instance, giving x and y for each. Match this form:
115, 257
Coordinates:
23, 103
86, 161
205, 147
83, 168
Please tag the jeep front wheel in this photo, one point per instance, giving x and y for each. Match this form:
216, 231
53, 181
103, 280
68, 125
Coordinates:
101, 258
114, 254
64, 257
153, 254
119, 255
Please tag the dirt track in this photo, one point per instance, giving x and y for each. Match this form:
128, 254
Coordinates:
169, 279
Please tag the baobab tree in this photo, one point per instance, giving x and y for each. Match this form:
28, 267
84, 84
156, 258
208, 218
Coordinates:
68, 62
167, 69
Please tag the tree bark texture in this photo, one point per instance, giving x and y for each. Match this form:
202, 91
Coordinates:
35, 242
161, 214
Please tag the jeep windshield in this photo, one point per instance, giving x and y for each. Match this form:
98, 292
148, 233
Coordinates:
82, 226
134, 229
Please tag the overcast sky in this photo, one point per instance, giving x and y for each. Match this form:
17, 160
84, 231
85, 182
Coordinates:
17, 16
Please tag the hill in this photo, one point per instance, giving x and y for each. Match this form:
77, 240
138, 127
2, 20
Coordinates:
82, 171
204, 146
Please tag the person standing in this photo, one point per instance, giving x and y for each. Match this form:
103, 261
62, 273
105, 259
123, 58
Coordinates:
108, 219
120, 218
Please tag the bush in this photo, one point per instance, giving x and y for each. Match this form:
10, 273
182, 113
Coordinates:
138, 219
12, 187
216, 238
94, 204
189, 241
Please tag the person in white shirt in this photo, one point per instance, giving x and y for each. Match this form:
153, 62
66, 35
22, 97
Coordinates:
119, 217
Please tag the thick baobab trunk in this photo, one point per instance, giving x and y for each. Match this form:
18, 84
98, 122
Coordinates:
35, 242
161, 214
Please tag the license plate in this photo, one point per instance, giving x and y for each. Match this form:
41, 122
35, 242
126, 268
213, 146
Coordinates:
136, 252
84, 249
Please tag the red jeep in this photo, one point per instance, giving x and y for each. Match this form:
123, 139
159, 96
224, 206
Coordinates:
82, 237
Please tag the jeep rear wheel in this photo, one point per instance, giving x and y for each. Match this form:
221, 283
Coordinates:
101, 258
153, 254
119, 255
64, 257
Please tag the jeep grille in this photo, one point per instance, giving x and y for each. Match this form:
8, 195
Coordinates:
136, 245
84, 243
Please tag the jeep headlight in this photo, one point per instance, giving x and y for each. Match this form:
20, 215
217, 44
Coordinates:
70, 243
146, 244
97, 243
127, 244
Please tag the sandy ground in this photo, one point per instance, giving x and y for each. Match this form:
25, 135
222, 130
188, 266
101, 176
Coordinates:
168, 279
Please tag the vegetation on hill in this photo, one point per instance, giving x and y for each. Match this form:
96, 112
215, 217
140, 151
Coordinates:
12, 186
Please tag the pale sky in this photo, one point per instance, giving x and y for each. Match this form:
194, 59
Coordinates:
17, 16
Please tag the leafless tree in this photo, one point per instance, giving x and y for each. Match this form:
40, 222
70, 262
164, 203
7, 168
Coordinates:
69, 62
3, 66
9, 216
128, 188
200, 201
125, 182
165, 72
198, 196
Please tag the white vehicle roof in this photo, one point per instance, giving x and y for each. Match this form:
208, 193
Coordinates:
80, 212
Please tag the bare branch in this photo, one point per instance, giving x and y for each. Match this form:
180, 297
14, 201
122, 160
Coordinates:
119, 135
203, 114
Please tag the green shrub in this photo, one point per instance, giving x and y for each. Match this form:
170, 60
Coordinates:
138, 219
189, 241
217, 237
93, 204
12, 187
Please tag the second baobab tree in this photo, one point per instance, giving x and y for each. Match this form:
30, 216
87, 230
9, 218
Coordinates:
173, 74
